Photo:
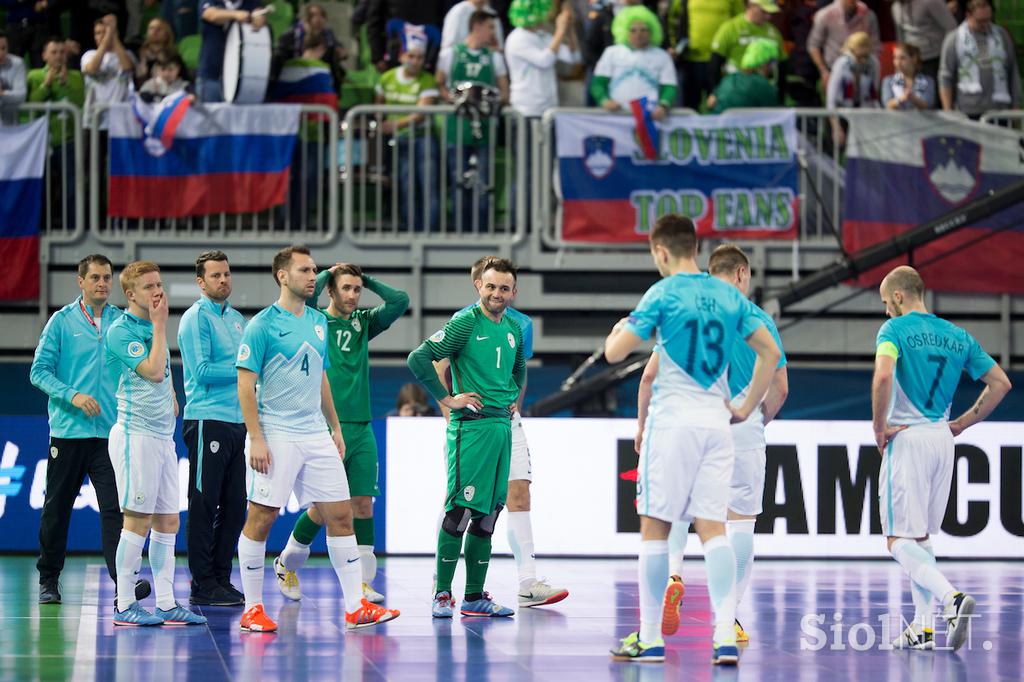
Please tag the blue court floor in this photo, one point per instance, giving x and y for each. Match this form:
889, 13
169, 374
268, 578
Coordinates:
807, 621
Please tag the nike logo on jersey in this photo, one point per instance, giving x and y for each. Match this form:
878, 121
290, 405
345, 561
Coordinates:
283, 333
77, 334
481, 338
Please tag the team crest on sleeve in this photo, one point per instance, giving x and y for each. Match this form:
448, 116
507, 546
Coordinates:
438, 336
356, 324
244, 352
319, 332
511, 340
136, 349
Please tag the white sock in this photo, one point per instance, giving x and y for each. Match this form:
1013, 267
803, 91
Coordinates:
368, 560
251, 557
676, 547
922, 597
720, 562
920, 566
294, 555
128, 561
345, 559
653, 574
741, 537
520, 537
161, 561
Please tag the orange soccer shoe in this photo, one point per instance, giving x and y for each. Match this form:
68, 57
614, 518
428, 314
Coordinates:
369, 614
257, 620
670, 610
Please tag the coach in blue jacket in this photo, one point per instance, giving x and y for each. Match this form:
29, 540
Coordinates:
214, 432
69, 367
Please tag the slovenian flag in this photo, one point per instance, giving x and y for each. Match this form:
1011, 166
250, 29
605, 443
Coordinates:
23, 152
160, 122
225, 159
305, 81
646, 131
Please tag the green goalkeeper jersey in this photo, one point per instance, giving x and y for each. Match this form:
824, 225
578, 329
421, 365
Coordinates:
348, 346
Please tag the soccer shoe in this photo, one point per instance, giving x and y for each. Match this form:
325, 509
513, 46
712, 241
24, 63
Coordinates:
632, 649
287, 581
49, 592
136, 615
958, 620
485, 606
741, 635
670, 610
212, 594
912, 639
369, 614
541, 594
257, 620
235, 593
725, 654
371, 595
444, 605
179, 615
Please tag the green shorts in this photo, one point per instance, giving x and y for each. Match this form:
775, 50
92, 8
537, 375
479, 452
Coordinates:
478, 460
360, 459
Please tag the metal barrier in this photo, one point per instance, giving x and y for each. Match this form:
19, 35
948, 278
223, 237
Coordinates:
1007, 118
309, 215
414, 174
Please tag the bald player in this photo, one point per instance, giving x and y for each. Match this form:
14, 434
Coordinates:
918, 361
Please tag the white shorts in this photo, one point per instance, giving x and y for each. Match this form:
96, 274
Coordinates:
914, 481
311, 468
747, 487
519, 467
684, 474
146, 472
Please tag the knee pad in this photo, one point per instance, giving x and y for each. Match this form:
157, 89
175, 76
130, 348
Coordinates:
483, 527
456, 521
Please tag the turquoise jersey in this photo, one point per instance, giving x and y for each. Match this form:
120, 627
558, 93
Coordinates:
698, 319
208, 337
522, 319
749, 434
289, 356
930, 355
70, 359
144, 407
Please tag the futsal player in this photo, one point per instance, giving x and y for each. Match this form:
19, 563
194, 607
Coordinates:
294, 439
142, 448
729, 264
349, 332
686, 457
918, 361
485, 349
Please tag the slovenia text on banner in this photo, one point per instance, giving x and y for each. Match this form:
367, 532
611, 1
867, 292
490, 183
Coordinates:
23, 152
224, 159
905, 169
735, 175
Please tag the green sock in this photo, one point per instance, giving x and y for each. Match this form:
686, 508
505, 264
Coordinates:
364, 531
305, 530
478, 558
449, 547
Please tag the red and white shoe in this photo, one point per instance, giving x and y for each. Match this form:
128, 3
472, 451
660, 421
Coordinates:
257, 620
369, 614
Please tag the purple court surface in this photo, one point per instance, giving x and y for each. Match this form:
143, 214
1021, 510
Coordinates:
808, 620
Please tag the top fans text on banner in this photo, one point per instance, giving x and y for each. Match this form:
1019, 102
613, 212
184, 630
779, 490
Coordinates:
735, 175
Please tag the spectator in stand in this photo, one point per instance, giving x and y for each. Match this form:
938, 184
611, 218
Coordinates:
181, 15
597, 34
412, 401
12, 82
692, 26
84, 14
380, 12
159, 40
833, 25
417, 168
854, 81
734, 36
289, 45
168, 76
909, 88
456, 24
26, 28
532, 51
979, 69
635, 67
795, 22
108, 71
923, 24
216, 16
751, 86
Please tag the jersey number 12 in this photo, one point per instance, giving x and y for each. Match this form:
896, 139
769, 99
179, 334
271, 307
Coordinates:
348, 337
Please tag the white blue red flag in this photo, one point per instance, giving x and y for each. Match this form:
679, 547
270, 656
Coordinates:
23, 152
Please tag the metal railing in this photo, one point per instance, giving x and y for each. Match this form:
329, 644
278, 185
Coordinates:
1007, 118
309, 215
416, 174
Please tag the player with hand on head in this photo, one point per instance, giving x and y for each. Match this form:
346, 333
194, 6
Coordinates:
294, 439
349, 332
142, 448
918, 361
686, 455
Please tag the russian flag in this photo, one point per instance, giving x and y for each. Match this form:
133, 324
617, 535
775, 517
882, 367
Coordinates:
225, 159
305, 81
23, 152
646, 131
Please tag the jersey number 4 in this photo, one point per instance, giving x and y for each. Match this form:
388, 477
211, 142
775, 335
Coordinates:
304, 367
